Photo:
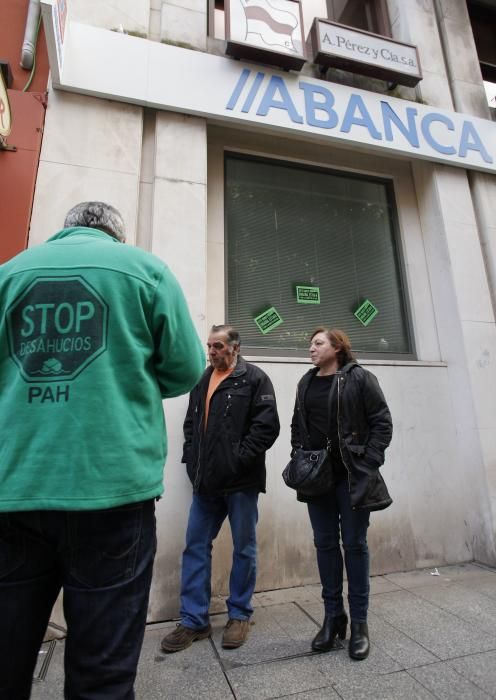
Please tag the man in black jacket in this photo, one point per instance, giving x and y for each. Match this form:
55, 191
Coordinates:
230, 424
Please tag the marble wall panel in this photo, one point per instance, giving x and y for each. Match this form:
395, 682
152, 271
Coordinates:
92, 132
179, 225
59, 187
184, 25
131, 14
460, 50
180, 147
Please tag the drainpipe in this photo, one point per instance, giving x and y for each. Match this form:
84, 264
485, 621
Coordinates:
29, 43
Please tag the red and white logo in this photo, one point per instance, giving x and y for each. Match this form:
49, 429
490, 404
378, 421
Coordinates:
271, 23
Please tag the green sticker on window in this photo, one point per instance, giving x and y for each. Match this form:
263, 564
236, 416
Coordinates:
307, 295
268, 320
366, 312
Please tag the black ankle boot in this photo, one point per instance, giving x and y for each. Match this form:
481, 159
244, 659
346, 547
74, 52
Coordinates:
333, 627
359, 646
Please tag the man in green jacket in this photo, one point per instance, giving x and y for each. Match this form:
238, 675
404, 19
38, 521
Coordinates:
93, 335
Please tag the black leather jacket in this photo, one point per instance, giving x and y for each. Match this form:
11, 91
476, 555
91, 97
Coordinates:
242, 424
365, 429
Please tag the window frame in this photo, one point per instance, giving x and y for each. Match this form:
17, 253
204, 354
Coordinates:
381, 16
295, 354
211, 18
483, 13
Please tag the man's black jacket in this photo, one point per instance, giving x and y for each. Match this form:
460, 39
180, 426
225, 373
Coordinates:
229, 455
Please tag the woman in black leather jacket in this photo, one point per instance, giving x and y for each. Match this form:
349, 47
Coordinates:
357, 424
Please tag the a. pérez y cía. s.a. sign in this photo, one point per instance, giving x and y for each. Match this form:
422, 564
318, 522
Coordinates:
337, 46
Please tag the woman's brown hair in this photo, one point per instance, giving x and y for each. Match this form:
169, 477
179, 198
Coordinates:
340, 341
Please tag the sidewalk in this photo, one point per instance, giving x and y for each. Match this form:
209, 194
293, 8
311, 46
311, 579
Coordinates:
431, 637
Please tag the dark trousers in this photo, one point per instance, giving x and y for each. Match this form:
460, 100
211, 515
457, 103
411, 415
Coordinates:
103, 560
331, 517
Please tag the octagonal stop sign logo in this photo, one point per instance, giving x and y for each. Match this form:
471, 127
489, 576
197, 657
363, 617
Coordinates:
56, 327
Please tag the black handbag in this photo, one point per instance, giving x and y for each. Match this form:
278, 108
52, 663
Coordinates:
310, 471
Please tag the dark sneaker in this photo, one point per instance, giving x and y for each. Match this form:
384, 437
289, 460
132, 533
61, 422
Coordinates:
235, 633
183, 637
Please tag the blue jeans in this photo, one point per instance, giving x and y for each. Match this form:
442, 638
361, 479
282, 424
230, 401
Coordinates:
329, 517
103, 560
206, 516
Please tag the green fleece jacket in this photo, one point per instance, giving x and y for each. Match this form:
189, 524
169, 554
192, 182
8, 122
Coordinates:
93, 335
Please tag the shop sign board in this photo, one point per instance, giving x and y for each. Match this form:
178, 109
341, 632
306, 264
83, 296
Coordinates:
267, 31
5, 113
59, 18
54, 14
167, 77
337, 46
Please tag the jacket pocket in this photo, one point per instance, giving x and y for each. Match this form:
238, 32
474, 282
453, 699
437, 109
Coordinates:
228, 465
105, 544
362, 456
237, 401
191, 471
231, 456
358, 450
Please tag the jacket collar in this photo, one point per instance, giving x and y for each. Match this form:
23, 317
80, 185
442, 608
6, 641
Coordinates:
345, 369
307, 377
82, 231
240, 367
237, 371
305, 381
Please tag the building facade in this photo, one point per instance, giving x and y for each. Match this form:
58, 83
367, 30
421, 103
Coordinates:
287, 198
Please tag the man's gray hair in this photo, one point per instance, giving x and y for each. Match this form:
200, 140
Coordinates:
97, 215
233, 336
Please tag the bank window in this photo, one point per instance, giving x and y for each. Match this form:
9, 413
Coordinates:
483, 21
306, 247
371, 15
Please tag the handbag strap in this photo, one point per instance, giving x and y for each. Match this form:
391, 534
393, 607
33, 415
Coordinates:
332, 391
302, 413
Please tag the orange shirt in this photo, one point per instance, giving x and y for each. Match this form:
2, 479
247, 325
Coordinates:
216, 378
